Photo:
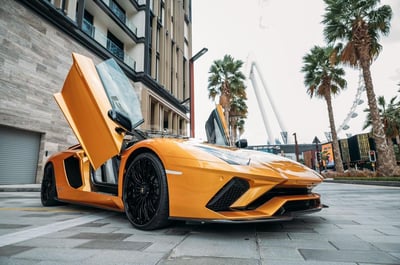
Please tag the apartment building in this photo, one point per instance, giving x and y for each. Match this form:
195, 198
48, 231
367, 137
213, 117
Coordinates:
150, 39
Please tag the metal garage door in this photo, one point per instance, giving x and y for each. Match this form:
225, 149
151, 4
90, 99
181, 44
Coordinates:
18, 156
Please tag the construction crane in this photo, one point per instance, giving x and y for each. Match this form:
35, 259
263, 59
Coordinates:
255, 70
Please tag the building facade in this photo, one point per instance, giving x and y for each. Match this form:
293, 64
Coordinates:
150, 39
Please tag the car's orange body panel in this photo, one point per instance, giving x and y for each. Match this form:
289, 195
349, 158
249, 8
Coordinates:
193, 178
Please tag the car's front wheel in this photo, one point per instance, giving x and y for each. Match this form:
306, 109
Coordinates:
48, 191
145, 193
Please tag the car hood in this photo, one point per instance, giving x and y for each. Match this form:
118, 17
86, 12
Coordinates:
259, 160
203, 155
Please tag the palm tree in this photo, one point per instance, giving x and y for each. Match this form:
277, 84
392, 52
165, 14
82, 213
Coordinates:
323, 78
359, 24
227, 81
238, 113
390, 116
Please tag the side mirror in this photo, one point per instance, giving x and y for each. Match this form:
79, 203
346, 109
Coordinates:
120, 119
242, 143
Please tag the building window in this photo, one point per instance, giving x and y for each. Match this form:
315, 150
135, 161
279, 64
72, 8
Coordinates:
162, 14
118, 10
184, 78
153, 116
171, 85
151, 5
166, 121
158, 68
115, 46
182, 127
87, 25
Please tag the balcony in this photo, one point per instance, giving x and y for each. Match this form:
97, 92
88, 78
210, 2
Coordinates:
140, 2
88, 28
115, 50
120, 14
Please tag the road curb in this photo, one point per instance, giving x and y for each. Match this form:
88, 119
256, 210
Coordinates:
20, 188
366, 182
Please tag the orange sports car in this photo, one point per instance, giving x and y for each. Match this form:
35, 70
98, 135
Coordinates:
116, 166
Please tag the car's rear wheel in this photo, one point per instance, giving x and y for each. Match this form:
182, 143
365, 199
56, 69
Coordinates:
48, 192
145, 193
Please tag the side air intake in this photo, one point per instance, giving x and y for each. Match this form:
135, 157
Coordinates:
226, 196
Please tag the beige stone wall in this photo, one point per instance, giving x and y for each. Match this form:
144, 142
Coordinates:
34, 60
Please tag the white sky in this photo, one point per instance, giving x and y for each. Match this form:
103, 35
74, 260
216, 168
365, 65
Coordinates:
277, 34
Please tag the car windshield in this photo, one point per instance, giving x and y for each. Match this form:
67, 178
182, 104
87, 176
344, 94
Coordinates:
120, 92
215, 129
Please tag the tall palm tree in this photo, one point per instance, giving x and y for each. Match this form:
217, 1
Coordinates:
323, 78
358, 24
227, 81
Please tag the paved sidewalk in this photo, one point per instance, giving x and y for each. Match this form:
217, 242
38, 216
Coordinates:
360, 227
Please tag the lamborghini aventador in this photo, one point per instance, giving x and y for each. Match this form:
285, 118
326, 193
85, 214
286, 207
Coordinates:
117, 166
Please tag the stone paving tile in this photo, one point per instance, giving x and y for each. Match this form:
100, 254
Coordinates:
389, 230
82, 229
386, 246
11, 250
44, 242
209, 261
352, 245
12, 261
57, 255
395, 254
216, 245
124, 257
282, 253
116, 245
160, 243
287, 262
370, 256
297, 243
380, 239
61, 234
101, 236
93, 224
12, 226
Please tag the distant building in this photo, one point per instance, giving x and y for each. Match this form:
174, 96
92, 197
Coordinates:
286, 150
151, 40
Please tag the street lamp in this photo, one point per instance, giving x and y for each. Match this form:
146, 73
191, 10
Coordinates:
296, 146
191, 92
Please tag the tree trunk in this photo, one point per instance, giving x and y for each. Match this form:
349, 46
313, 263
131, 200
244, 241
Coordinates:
391, 148
224, 101
385, 161
336, 150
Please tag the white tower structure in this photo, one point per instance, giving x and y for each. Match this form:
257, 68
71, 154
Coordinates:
357, 101
254, 69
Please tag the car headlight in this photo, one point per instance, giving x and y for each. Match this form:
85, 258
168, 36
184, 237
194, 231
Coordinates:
227, 155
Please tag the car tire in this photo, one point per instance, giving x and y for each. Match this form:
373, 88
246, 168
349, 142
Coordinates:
145, 193
48, 191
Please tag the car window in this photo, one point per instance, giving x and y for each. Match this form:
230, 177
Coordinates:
120, 92
215, 130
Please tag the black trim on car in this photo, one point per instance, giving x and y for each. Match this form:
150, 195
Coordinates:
226, 196
73, 172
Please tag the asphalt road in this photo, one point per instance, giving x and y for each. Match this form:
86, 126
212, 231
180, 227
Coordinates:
361, 226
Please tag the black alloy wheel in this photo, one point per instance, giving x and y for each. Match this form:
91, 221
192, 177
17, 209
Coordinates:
48, 192
145, 193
